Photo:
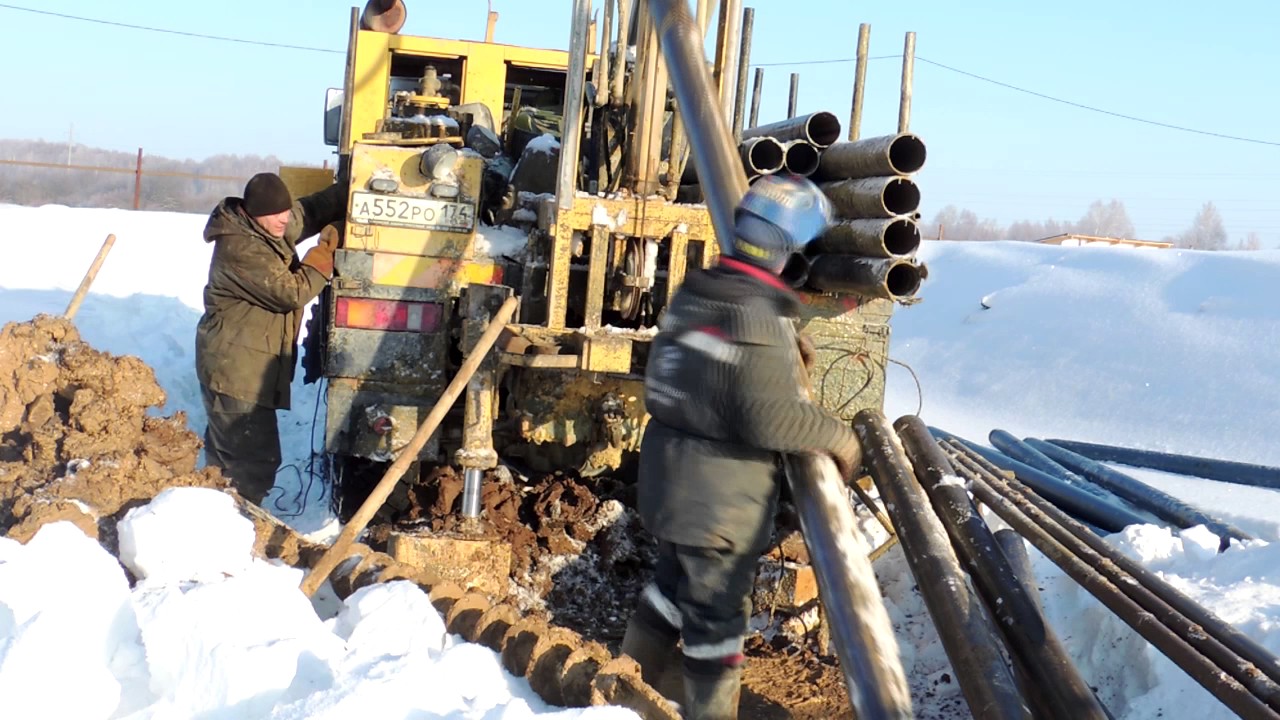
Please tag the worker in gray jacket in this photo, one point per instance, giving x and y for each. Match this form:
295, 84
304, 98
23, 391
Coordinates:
724, 389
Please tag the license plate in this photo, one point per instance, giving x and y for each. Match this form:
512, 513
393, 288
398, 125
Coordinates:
412, 212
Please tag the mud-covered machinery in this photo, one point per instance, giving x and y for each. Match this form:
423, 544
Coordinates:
478, 171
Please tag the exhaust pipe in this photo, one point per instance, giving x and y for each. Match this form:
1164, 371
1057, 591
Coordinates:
821, 128
876, 197
901, 154
386, 16
892, 278
891, 237
801, 158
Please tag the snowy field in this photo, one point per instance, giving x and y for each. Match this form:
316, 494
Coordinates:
1163, 349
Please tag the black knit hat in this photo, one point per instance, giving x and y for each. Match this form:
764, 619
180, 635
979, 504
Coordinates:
266, 194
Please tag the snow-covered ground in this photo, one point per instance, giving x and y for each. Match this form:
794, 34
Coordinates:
1163, 349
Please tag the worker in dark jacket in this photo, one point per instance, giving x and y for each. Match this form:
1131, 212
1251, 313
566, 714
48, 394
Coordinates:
725, 392
246, 342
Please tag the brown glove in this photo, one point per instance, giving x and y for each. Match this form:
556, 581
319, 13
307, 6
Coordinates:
848, 457
320, 257
329, 237
808, 353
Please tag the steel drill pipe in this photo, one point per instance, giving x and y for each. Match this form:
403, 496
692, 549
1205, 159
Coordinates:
1007, 443
878, 197
821, 128
1015, 551
968, 633
801, 157
1201, 467
892, 278
901, 154
1080, 504
1226, 633
1041, 656
762, 155
883, 237
759, 156
1143, 596
859, 623
1142, 495
710, 138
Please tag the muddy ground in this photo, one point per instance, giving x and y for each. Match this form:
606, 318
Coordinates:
580, 558
76, 441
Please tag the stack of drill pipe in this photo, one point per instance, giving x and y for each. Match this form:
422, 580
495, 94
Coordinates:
870, 250
1158, 503
1243, 675
760, 156
968, 633
1108, 517
1201, 467
1058, 690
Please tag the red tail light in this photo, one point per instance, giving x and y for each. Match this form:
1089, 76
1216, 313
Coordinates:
387, 315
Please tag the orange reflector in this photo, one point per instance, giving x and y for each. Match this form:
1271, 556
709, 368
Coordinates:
387, 315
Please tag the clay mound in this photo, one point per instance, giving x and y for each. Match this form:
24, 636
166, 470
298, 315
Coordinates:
76, 442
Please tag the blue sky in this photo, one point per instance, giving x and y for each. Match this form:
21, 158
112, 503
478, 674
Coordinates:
993, 150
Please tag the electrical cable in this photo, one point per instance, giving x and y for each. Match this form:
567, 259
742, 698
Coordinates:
1082, 106
169, 32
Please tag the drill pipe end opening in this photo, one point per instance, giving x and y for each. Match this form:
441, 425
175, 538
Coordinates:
903, 280
823, 128
906, 154
801, 158
901, 197
902, 237
763, 155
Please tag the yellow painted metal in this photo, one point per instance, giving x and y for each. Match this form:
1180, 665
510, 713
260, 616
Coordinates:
483, 80
402, 164
642, 217
432, 272
303, 181
606, 353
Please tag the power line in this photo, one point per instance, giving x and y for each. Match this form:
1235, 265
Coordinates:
1030, 92
822, 62
773, 64
170, 32
1098, 110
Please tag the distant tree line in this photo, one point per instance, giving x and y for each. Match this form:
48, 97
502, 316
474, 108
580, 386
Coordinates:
23, 185
1101, 219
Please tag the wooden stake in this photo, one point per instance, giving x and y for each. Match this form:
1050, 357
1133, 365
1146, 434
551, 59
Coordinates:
370, 507
74, 306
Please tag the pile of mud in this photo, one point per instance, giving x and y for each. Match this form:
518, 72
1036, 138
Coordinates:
579, 553
76, 442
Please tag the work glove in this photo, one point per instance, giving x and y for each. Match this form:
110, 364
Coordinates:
808, 353
848, 457
320, 257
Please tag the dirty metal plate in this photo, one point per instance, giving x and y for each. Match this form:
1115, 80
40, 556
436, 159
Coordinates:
411, 212
405, 358
353, 413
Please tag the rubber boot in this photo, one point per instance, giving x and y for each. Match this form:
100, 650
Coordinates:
712, 689
653, 643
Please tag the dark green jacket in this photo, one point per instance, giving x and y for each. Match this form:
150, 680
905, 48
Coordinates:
724, 392
246, 342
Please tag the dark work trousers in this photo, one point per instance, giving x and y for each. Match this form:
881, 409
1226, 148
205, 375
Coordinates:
242, 440
706, 593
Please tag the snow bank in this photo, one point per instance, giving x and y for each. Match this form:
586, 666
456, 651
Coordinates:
220, 635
